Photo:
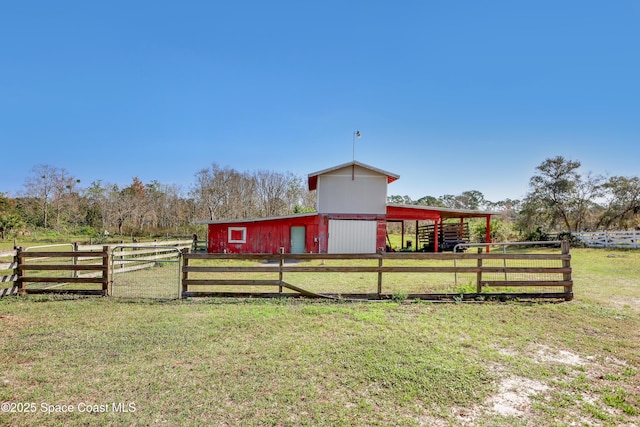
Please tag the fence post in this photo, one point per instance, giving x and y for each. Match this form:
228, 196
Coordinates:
185, 273
566, 263
18, 259
479, 273
380, 257
106, 272
74, 273
280, 273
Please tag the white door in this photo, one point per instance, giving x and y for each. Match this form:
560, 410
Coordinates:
298, 236
352, 236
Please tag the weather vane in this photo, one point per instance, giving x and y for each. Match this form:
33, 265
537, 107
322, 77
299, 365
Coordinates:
356, 134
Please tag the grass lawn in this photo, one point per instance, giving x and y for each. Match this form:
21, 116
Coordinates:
302, 362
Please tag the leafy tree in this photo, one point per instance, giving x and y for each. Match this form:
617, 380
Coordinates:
6, 204
95, 205
509, 209
623, 202
501, 231
298, 209
430, 201
560, 196
400, 200
473, 200
8, 223
9, 218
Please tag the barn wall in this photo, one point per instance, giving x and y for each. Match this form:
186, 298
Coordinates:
262, 236
347, 191
269, 236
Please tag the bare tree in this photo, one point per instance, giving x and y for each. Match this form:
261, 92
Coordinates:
64, 197
218, 193
271, 188
42, 186
211, 190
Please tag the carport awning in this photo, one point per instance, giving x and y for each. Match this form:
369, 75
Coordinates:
396, 212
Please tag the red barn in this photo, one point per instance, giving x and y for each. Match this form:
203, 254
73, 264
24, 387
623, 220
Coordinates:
352, 216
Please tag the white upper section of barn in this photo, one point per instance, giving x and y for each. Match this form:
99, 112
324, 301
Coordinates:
351, 188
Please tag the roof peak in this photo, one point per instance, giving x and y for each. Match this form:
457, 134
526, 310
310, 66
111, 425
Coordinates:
313, 177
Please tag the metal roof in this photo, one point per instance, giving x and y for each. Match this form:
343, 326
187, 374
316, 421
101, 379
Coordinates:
313, 177
416, 211
270, 218
394, 212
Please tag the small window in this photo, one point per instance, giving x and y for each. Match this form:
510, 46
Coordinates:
237, 235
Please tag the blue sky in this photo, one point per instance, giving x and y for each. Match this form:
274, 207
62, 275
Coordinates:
452, 96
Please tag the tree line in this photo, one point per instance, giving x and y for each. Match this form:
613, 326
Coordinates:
561, 199
52, 198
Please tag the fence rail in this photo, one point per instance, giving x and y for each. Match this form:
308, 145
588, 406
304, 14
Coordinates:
46, 269
496, 275
609, 239
466, 276
25, 275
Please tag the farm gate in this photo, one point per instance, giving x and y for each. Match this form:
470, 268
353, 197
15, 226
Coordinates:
145, 272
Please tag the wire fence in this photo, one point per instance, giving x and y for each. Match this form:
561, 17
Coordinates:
149, 272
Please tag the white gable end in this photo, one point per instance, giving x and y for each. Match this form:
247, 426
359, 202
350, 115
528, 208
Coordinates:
352, 190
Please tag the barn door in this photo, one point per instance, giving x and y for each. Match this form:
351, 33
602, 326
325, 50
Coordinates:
298, 237
352, 236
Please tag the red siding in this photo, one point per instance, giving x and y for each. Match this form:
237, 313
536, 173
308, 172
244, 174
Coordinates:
411, 213
269, 235
381, 235
266, 236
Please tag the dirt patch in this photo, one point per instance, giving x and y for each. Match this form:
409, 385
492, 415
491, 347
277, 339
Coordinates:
514, 396
546, 354
540, 353
622, 302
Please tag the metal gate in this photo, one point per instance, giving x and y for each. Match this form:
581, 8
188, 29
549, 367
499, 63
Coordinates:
145, 272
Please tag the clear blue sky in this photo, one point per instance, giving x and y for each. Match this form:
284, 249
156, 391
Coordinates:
450, 95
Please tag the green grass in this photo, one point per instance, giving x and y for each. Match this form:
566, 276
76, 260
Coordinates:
302, 362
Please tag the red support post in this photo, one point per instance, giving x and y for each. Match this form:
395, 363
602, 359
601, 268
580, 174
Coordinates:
488, 235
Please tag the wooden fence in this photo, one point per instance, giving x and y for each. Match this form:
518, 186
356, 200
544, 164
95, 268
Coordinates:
83, 269
497, 275
468, 276
610, 239
24, 267
8, 278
